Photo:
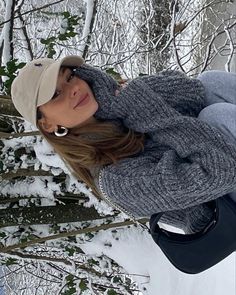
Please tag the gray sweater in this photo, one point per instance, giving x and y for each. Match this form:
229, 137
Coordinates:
185, 162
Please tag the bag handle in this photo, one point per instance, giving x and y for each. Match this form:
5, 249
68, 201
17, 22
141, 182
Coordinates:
194, 253
155, 229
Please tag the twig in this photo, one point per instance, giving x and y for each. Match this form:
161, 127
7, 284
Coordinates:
68, 234
230, 57
32, 10
6, 135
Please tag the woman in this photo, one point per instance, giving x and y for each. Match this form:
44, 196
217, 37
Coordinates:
141, 147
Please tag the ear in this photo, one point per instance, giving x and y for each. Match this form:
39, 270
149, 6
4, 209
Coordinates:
47, 126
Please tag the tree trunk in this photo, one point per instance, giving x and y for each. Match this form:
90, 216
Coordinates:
8, 48
47, 215
88, 41
7, 107
28, 172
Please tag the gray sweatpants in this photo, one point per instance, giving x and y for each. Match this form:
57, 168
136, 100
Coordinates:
220, 88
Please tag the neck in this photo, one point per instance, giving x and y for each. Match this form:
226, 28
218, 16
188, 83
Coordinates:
90, 120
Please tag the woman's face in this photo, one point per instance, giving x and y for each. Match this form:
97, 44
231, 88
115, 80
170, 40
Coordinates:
73, 103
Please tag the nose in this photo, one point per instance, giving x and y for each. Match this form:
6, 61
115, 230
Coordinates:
73, 91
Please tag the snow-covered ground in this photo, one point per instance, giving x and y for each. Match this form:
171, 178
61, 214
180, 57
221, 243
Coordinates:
140, 256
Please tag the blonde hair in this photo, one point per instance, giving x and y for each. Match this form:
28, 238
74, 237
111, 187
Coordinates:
94, 145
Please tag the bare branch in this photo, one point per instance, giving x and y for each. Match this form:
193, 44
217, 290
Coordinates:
68, 234
32, 10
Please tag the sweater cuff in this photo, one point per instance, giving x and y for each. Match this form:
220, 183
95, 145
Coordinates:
190, 220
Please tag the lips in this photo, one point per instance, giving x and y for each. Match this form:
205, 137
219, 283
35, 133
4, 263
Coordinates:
81, 100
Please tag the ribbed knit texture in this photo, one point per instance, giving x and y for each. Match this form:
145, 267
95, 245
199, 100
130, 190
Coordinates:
185, 163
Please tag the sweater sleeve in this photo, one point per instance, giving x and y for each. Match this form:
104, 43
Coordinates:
103, 83
197, 165
190, 220
184, 94
145, 102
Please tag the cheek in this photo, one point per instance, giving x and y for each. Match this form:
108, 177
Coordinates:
58, 103
53, 109
86, 86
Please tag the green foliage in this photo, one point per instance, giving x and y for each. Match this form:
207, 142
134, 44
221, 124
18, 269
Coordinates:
1, 170
70, 291
70, 251
55, 228
2, 235
71, 22
83, 285
117, 279
70, 285
114, 74
111, 292
50, 43
89, 235
10, 261
10, 71
26, 237
91, 261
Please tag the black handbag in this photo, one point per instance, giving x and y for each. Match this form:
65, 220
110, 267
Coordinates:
194, 253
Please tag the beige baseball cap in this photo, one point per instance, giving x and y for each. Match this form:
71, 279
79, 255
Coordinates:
36, 84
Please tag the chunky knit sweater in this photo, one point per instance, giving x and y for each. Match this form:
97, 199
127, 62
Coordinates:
185, 162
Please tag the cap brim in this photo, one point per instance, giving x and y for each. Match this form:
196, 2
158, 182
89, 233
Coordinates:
48, 82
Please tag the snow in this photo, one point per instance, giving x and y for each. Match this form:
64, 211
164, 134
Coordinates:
48, 158
135, 251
